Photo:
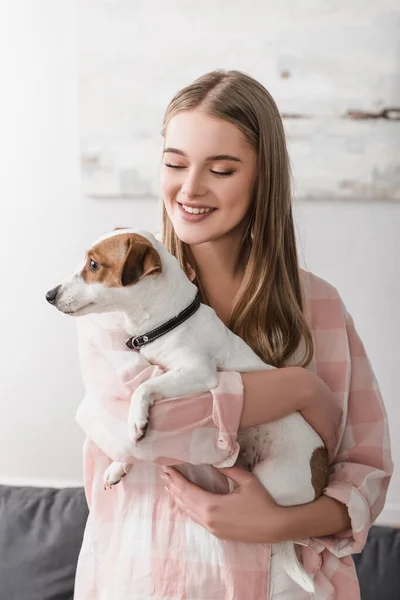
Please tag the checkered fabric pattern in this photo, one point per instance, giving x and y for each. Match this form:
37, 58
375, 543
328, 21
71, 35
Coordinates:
138, 546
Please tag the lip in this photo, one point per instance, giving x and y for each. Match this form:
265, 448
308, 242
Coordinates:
190, 218
194, 204
72, 312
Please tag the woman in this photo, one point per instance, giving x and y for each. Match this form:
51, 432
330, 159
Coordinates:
227, 217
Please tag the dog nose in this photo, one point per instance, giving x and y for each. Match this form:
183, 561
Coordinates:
52, 294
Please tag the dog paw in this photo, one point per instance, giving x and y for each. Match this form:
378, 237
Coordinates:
113, 474
137, 430
138, 417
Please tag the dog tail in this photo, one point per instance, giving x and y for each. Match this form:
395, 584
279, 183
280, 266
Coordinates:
293, 568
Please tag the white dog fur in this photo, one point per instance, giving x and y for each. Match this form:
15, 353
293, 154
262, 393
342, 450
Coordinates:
192, 354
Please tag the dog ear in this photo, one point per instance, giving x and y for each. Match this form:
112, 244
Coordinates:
118, 228
141, 260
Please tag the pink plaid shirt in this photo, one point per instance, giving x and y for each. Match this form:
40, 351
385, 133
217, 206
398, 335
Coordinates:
138, 545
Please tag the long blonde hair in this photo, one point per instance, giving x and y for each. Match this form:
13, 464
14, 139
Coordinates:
268, 313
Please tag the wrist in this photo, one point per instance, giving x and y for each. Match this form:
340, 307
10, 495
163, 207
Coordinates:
321, 517
284, 524
306, 388
277, 526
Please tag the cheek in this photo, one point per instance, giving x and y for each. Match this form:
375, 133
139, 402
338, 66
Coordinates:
169, 189
168, 185
237, 197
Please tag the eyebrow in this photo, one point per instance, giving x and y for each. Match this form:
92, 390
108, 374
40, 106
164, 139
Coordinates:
209, 158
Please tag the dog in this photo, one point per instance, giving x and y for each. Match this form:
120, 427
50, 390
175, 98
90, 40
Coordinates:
132, 272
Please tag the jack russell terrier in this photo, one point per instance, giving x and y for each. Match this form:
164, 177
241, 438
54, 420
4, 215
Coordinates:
133, 273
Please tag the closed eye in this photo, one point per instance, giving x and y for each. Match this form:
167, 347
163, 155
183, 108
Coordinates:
218, 173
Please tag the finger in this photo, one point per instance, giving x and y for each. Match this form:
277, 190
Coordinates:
191, 494
172, 476
180, 482
237, 473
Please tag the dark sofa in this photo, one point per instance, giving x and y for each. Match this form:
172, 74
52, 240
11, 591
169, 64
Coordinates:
41, 532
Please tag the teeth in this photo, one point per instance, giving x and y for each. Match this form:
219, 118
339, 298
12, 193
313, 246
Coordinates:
195, 211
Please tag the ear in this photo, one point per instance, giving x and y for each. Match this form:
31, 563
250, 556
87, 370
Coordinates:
141, 260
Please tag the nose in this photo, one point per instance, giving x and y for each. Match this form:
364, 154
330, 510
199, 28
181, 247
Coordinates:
192, 186
52, 294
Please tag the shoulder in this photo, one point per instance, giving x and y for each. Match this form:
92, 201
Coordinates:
323, 303
315, 288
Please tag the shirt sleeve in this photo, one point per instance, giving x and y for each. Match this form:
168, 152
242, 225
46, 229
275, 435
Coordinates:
363, 466
198, 429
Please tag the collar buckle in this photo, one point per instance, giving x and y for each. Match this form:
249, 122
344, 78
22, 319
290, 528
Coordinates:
135, 343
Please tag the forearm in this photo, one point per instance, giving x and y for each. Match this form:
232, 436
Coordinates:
324, 516
271, 395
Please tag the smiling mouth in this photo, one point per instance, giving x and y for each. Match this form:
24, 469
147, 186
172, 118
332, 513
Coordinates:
194, 210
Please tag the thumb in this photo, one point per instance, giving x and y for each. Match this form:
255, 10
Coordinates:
237, 473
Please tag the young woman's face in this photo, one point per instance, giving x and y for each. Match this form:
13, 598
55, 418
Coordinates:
208, 176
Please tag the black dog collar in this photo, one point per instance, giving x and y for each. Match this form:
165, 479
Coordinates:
135, 343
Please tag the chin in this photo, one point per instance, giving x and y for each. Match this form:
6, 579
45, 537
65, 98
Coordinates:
194, 235
193, 238
85, 311
77, 312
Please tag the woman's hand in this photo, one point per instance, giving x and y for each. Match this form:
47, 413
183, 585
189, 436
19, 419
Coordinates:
248, 514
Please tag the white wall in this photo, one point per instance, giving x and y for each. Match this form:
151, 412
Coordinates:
46, 224
332, 67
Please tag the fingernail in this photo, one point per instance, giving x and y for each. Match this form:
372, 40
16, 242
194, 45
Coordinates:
165, 475
168, 489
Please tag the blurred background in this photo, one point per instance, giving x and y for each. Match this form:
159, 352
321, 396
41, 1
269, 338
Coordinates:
83, 89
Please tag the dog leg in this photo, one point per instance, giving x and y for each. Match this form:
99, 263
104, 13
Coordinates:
177, 382
114, 473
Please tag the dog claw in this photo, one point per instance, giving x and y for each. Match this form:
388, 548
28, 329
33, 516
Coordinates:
109, 486
140, 432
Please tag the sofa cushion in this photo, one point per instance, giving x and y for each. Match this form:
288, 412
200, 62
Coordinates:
378, 565
41, 531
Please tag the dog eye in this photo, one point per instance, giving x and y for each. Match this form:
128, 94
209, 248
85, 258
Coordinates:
93, 266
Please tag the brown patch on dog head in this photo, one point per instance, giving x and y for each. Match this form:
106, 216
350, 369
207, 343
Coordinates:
319, 470
141, 260
122, 259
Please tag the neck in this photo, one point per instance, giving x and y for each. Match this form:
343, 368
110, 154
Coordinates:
161, 298
217, 262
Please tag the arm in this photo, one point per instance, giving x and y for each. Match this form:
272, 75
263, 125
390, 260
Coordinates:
289, 390
338, 521
361, 472
325, 516
196, 429
200, 429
